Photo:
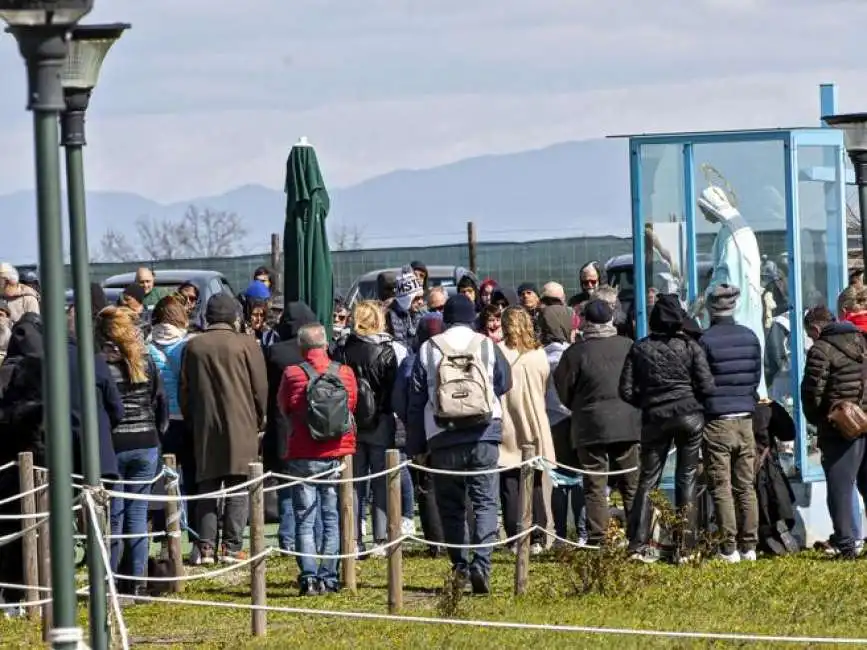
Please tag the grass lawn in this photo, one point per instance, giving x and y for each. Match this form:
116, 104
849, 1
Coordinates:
806, 595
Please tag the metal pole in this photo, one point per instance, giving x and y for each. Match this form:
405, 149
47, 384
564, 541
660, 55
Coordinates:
859, 162
44, 49
73, 140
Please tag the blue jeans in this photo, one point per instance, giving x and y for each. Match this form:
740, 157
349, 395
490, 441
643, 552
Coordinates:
286, 532
451, 497
370, 459
560, 501
129, 517
407, 503
309, 500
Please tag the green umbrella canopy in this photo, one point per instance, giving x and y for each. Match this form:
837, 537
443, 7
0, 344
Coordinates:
307, 272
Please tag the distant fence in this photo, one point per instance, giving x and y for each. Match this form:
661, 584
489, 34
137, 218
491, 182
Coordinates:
510, 263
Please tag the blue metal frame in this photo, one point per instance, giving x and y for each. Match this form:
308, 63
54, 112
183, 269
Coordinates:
832, 169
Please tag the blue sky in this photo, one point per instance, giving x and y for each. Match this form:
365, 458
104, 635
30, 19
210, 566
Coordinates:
202, 96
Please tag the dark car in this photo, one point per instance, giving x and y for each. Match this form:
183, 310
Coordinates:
364, 287
111, 296
208, 283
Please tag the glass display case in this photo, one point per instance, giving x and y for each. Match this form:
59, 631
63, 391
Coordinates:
788, 185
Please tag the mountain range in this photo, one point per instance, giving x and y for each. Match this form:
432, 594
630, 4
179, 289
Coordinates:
563, 190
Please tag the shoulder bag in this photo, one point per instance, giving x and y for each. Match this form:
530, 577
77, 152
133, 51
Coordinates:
848, 417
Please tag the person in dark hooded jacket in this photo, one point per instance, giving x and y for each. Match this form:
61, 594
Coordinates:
278, 357
835, 373
667, 376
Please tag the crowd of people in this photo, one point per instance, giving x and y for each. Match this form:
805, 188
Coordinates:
460, 380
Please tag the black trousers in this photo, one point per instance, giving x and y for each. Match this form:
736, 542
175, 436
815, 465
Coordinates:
607, 458
686, 434
431, 525
510, 502
845, 465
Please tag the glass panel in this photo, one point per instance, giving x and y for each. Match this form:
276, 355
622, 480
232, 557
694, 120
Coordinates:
664, 222
820, 262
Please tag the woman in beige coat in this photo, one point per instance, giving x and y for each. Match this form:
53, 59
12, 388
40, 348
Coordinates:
525, 420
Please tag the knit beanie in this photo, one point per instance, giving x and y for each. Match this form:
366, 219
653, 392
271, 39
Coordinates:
598, 312
257, 290
222, 308
459, 310
723, 299
407, 289
527, 286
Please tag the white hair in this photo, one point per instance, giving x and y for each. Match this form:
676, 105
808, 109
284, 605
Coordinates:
312, 336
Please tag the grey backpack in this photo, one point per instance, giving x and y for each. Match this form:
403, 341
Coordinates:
328, 414
463, 389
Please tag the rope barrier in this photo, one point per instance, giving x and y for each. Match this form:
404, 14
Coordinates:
297, 480
344, 556
21, 495
199, 576
9, 465
508, 625
239, 490
8, 539
476, 472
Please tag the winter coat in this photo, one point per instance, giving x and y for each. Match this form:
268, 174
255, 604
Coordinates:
833, 373
402, 324
292, 399
278, 357
21, 300
734, 355
525, 420
166, 350
374, 359
223, 396
666, 376
145, 407
587, 382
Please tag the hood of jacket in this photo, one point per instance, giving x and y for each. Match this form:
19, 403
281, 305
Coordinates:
840, 336
667, 315
166, 334
509, 295
26, 337
295, 316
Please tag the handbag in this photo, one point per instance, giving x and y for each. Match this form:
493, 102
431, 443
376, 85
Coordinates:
849, 418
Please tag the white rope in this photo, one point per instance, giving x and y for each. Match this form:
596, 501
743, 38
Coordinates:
27, 603
106, 565
226, 493
21, 495
548, 464
12, 585
9, 465
569, 541
297, 480
471, 547
112, 481
198, 576
8, 539
344, 556
541, 627
475, 472
151, 535
32, 515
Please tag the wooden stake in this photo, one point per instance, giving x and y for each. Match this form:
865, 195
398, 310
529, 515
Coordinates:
43, 544
29, 541
257, 546
347, 526
525, 496
395, 553
471, 245
173, 524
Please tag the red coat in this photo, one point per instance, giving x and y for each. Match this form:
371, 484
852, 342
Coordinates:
292, 399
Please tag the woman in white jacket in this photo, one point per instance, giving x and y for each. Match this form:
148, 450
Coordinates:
525, 420
556, 334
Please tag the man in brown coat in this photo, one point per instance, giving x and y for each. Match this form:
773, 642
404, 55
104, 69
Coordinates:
223, 397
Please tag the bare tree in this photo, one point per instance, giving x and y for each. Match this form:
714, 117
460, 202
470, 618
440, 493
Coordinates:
113, 247
199, 233
346, 238
211, 233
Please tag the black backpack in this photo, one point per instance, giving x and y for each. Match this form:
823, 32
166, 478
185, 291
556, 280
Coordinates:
366, 408
328, 414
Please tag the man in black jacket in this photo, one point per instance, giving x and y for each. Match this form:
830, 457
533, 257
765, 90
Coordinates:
834, 373
278, 357
734, 355
605, 429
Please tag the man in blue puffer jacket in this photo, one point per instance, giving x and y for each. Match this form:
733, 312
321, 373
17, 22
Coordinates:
734, 355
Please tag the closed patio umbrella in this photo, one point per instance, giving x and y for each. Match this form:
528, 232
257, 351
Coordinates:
307, 272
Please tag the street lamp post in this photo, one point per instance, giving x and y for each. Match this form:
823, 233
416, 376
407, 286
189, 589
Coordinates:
88, 47
41, 29
854, 127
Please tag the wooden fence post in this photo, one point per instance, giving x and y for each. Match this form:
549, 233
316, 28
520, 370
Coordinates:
522, 561
257, 546
347, 526
29, 541
43, 544
173, 524
395, 553
471, 245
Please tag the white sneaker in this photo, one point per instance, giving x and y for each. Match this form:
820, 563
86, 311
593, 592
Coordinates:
363, 528
732, 558
748, 556
537, 549
407, 526
378, 551
12, 610
582, 542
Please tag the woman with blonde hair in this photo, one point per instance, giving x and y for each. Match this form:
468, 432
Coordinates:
136, 438
374, 356
525, 420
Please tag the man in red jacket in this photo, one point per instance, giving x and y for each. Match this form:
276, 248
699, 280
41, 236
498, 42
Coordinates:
322, 432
